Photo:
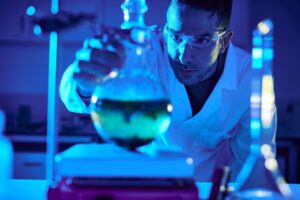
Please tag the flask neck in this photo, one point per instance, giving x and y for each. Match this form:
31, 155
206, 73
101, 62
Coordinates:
133, 11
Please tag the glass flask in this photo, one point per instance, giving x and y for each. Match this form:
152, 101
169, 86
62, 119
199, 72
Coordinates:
130, 107
260, 178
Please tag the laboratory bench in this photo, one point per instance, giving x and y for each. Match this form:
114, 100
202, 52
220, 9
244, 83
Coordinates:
37, 189
30, 151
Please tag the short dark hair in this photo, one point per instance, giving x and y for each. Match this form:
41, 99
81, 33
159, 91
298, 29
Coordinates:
221, 7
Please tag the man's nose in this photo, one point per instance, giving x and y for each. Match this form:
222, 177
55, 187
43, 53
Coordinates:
184, 50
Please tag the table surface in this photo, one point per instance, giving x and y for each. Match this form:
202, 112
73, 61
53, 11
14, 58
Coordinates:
37, 189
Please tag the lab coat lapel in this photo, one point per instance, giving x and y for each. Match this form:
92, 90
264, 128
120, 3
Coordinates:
228, 81
214, 115
223, 89
181, 106
215, 103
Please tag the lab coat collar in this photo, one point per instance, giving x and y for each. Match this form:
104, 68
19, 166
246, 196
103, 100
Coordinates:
213, 117
226, 85
223, 89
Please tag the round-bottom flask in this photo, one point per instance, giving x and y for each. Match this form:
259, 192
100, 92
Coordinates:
130, 111
131, 108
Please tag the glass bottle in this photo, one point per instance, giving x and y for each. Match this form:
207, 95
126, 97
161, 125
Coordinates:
6, 155
260, 177
130, 106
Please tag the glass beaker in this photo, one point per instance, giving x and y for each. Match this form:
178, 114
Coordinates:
130, 106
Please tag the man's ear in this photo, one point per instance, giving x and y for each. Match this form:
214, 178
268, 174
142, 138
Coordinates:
165, 32
225, 40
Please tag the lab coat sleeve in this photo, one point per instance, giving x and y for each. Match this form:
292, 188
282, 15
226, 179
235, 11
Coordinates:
68, 92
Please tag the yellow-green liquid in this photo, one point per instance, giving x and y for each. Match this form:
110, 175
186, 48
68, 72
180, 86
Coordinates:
131, 123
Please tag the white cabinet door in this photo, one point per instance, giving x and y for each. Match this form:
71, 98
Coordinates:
29, 165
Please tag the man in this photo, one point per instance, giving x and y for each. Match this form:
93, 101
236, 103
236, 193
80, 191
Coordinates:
207, 79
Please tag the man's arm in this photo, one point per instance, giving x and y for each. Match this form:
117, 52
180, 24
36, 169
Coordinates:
68, 91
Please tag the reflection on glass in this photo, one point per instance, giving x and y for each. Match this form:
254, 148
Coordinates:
260, 177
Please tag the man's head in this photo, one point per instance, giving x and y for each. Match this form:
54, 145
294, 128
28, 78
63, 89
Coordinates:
197, 32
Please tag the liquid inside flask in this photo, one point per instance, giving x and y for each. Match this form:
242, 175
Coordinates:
130, 107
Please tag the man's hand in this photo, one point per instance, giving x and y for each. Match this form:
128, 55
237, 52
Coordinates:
98, 58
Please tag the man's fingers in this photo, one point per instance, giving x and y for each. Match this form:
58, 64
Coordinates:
105, 57
112, 44
101, 57
110, 32
86, 80
83, 54
93, 68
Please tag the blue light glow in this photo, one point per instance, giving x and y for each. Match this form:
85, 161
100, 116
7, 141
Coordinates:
256, 63
30, 10
94, 99
255, 124
265, 27
54, 6
126, 15
37, 30
268, 54
255, 128
83, 54
257, 41
257, 53
95, 43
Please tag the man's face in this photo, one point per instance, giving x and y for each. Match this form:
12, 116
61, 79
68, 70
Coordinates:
193, 43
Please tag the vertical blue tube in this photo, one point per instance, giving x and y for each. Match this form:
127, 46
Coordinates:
51, 105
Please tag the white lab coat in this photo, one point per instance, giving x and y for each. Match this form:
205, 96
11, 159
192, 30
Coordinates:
220, 133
